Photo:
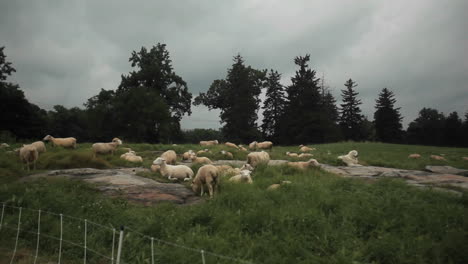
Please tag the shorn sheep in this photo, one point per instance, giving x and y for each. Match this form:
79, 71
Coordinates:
206, 175
173, 172
256, 158
170, 157
291, 154
351, 159
305, 155
29, 154
69, 142
302, 165
131, 157
209, 143
303, 148
200, 160
105, 148
437, 157
414, 156
187, 154
262, 145
40, 146
232, 145
244, 176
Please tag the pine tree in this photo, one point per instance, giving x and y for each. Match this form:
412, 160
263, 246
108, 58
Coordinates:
453, 130
273, 107
387, 118
329, 113
350, 112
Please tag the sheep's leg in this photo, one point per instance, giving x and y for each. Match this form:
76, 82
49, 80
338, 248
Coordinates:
201, 187
27, 165
210, 189
34, 163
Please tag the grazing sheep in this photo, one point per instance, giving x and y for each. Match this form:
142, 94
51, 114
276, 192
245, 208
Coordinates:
187, 154
132, 157
206, 175
277, 185
173, 172
305, 155
302, 165
414, 156
244, 176
232, 145
209, 143
105, 148
436, 157
303, 148
227, 154
28, 154
170, 157
69, 142
256, 158
351, 159
262, 145
203, 151
40, 146
291, 154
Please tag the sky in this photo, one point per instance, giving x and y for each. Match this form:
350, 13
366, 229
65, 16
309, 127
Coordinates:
66, 51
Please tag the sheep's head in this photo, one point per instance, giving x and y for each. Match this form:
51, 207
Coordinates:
247, 167
117, 140
245, 172
353, 153
314, 162
159, 161
216, 142
47, 138
300, 146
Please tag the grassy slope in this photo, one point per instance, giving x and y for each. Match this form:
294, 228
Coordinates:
319, 218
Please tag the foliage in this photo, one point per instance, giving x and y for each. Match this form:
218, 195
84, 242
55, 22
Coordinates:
273, 107
350, 112
387, 118
453, 133
427, 128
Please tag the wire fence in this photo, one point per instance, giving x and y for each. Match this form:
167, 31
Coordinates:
36, 236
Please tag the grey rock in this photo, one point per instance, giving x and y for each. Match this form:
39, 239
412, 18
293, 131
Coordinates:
447, 170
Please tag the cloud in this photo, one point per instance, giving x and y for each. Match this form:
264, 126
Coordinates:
65, 52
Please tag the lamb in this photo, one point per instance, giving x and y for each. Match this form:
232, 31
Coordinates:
132, 157
40, 146
277, 185
187, 154
206, 175
209, 143
69, 142
436, 157
232, 145
174, 172
170, 157
351, 159
302, 165
414, 156
105, 148
305, 155
262, 145
291, 154
227, 154
244, 176
256, 158
28, 154
303, 148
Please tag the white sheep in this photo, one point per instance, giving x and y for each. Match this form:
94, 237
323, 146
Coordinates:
69, 142
256, 158
291, 154
261, 145
200, 160
203, 151
244, 176
28, 154
40, 146
174, 172
206, 175
170, 157
232, 145
209, 143
277, 185
105, 148
227, 154
242, 148
437, 157
187, 155
305, 155
302, 165
131, 157
351, 159
303, 148
4, 145
414, 156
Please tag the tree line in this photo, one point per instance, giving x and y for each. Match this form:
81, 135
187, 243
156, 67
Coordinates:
151, 100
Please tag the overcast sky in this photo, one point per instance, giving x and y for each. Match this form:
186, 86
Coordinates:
66, 51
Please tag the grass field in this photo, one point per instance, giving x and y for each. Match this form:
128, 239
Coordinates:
319, 218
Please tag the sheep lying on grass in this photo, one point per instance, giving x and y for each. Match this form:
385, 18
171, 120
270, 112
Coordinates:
29, 154
414, 156
227, 154
303, 148
436, 157
206, 175
105, 148
256, 158
131, 157
209, 143
170, 157
242, 148
232, 145
187, 154
261, 145
292, 154
4, 145
69, 142
244, 176
40, 146
302, 165
203, 151
305, 155
351, 159
277, 185
200, 160
228, 170
173, 172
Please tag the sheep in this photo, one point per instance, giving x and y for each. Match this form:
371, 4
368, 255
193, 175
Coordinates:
414, 156
305, 155
69, 142
173, 172
209, 143
302, 165
117, 140
4, 145
187, 154
206, 175
227, 154
277, 185
232, 145
351, 159
228, 170
27, 154
465, 158
436, 157
242, 148
255, 158
262, 145
170, 157
40, 146
201, 160
291, 154
244, 176
105, 148
155, 168
131, 156
303, 148
203, 151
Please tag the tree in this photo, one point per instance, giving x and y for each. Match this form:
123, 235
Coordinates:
273, 106
329, 113
453, 134
99, 110
387, 118
465, 131
427, 128
237, 97
350, 112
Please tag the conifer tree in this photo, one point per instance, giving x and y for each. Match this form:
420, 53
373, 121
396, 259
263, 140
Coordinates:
387, 118
350, 112
273, 107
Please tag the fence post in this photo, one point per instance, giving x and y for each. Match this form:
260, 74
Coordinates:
202, 256
119, 248
1, 218
152, 250
17, 236
38, 235
113, 245
61, 237
85, 239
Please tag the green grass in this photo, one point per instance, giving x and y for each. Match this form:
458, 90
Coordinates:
319, 218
